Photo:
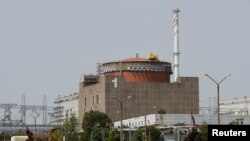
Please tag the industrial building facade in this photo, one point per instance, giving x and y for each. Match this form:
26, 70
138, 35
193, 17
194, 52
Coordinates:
142, 85
65, 105
239, 106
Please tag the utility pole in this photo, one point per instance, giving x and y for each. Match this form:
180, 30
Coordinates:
145, 125
218, 94
121, 115
35, 117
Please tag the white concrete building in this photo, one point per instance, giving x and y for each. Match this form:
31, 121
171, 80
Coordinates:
236, 106
66, 104
166, 120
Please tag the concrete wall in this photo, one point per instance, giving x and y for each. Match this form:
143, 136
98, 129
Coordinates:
147, 98
91, 97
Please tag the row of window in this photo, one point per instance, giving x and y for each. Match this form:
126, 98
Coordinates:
95, 100
66, 99
236, 102
137, 123
91, 108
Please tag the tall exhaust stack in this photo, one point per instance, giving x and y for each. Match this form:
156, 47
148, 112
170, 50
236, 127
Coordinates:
176, 44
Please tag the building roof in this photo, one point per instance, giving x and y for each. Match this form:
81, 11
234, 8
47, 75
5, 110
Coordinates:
136, 59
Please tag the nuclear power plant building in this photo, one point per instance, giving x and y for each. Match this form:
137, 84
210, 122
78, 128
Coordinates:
141, 86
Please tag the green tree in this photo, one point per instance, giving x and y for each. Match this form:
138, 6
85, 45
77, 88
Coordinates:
191, 136
5, 136
137, 136
202, 136
69, 128
95, 134
55, 134
161, 111
154, 133
196, 135
112, 136
93, 119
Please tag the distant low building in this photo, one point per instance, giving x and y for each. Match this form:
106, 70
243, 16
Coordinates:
66, 104
168, 120
236, 106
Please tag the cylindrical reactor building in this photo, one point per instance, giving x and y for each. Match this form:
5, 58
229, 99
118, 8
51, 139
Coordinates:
138, 69
146, 80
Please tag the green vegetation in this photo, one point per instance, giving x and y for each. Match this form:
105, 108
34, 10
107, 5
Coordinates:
54, 135
161, 111
93, 122
67, 130
96, 127
5, 136
95, 134
198, 134
113, 136
137, 136
154, 134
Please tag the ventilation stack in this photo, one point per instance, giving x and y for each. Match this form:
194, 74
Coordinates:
176, 53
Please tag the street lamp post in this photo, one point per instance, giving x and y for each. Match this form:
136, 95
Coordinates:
218, 94
35, 116
130, 126
121, 115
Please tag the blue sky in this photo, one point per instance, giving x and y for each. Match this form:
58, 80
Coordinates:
45, 45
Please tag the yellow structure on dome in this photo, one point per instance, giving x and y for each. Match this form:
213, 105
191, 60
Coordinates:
152, 56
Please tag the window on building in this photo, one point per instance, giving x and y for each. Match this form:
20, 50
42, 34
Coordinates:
97, 99
85, 101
